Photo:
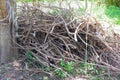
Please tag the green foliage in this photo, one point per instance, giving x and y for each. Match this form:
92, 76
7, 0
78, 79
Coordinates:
112, 2
92, 71
55, 12
45, 78
46, 0
30, 59
24, 0
95, 78
62, 63
89, 67
60, 73
68, 66
29, 55
80, 11
113, 12
27, 0
36, 0
109, 14
47, 68
66, 12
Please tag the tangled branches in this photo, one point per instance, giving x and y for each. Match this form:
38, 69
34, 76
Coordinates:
52, 36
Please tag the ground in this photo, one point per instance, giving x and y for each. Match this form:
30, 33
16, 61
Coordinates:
18, 70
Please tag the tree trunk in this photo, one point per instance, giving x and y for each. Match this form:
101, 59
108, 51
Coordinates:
7, 46
5, 43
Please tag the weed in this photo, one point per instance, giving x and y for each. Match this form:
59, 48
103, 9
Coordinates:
30, 59
54, 12
67, 66
95, 78
60, 73
70, 67
29, 55
45, 78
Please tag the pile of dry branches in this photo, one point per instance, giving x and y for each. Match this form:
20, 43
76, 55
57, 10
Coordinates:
54, 36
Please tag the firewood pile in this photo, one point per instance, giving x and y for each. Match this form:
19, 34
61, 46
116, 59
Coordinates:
50, 37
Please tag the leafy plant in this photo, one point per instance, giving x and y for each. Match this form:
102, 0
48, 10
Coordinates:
84, 66
95, 78
55, 12
47, 68
68, 66
45, 78
30, 59
60, 73
113, 12
112, 2
62, 63
29, 55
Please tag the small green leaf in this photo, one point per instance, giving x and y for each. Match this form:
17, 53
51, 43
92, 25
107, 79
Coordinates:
60, 73
29, 55
61, 63
45, 78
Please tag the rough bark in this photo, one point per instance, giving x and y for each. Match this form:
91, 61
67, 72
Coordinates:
7, 46
5, 43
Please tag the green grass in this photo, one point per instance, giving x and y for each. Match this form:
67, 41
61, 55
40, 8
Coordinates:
36, 0
113, 13
72, 68
108, 14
